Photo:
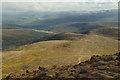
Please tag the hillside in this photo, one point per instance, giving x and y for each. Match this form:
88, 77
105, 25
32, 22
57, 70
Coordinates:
13, 38
56, 52
74, 27
105, 67
112, 32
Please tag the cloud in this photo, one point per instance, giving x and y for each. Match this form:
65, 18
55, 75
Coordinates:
60, 0
57, 6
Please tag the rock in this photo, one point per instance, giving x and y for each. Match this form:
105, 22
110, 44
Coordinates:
54, 67
94, 74
118, 58
112, 63
75, 66
114, 57
10, 76
114, 69
27, 71
51, 74
84, 69
99, 75
41, 68
111, 74
102, 68
95, 58
117, 76
81, 77
118, 54
34, 72
108, 58
73, 71
118, 64
41, 74
98, 64
22, 74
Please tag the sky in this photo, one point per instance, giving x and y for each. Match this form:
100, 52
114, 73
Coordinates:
57, 6
60, 0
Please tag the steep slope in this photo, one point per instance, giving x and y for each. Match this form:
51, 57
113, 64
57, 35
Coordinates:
56, 52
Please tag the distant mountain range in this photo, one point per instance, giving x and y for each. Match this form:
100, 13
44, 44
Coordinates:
43, 20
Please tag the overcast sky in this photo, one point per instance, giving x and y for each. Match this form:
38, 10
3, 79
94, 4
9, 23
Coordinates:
57, 6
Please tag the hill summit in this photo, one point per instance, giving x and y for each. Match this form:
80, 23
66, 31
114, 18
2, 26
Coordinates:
97, 67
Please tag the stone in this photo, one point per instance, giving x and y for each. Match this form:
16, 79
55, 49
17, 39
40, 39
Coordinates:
118, 54
108, 58
99, 75
41, 68
72, 70
84, 69
102, 68
118, 64
11, 75
82, 77
95, 58
22, 74
117, 76
54, 67
99, 64
27, 71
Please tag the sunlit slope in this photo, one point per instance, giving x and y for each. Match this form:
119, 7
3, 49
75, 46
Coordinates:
56, 52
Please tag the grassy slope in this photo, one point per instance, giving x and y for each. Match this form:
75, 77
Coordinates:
57, 52
74, 27
16, 37
112, 32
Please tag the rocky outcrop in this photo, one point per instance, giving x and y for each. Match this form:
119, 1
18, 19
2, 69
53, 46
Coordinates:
104, 67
